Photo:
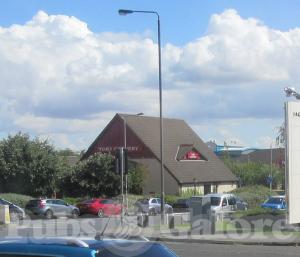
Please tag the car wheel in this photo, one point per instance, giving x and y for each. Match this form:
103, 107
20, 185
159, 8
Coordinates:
75, 214
100, 213
169, 210
49, 214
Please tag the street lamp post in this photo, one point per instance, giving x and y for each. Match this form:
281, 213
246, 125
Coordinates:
125, 12
271, 168
126, 175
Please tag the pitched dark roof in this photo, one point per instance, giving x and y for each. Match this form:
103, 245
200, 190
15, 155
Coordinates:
176, 133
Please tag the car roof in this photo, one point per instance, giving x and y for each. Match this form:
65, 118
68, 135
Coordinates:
277, 196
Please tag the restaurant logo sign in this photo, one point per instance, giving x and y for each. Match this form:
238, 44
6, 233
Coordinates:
114, 148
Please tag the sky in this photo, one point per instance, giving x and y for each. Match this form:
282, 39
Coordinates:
66, 67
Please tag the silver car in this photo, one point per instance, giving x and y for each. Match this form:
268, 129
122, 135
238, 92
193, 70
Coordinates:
50, 208
152, 206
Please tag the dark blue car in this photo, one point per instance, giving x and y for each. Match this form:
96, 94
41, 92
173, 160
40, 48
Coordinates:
275, 203
50, 247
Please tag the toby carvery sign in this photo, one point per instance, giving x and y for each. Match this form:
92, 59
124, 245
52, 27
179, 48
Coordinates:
292, 127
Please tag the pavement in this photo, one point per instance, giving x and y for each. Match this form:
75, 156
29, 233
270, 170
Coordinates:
92, 226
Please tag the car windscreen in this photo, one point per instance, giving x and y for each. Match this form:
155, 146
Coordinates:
215, 201
275, 200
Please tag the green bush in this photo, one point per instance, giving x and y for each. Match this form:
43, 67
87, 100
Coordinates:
190, 192
16, 199
258, 211
171, 199
253, 195
72, 200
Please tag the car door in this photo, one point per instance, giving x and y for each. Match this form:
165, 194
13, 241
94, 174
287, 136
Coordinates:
232, 205
62, 208
108, 206
224, 204
157, 205
52, 206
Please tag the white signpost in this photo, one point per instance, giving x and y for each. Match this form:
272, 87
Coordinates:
292, 167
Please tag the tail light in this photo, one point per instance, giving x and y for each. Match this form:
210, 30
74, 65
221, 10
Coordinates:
41, 204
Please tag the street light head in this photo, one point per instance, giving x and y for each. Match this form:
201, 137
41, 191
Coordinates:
125, 12
289, 91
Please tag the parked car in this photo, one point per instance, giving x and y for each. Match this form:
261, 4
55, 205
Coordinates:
275, 202
182, 205
15, 211
241, 205
100, 207
152, 206
70, 247
50, 208
222, 202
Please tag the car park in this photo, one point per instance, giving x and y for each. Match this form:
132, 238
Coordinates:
15, 211
70, 247
100, 207
152, 206
50, 208
275, 202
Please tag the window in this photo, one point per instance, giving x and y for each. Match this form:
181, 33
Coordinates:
224, 202
59, 202
188, 152
215, 201
153, 201
3, 202
107, 201
231, 201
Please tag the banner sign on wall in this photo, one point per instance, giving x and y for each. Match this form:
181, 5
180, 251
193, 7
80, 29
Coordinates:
292, 168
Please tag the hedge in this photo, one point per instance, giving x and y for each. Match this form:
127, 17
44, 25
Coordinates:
253, 195
17, 199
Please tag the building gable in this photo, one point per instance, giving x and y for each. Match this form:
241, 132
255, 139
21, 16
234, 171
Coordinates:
113, 137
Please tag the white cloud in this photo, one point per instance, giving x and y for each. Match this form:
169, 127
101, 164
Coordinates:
60, 79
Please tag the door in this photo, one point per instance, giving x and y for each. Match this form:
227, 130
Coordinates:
207, 189
153, 205
62, 208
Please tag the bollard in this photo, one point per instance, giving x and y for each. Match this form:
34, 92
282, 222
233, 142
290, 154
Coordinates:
171, 221
142, 220
4, 214
213, 222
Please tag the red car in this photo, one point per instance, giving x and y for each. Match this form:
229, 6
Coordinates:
100, 207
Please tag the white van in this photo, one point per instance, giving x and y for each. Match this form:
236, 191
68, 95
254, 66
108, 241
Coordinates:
222, 202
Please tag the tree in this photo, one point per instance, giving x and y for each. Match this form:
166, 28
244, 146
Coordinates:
136, 178
252, 173
27, 166
96, 176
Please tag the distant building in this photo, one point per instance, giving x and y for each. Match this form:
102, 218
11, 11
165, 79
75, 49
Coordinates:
188, 163
229, 150
250, 154
265, 156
